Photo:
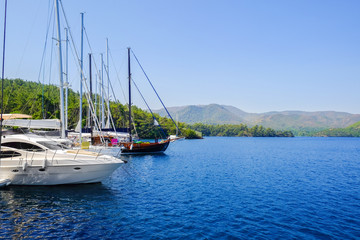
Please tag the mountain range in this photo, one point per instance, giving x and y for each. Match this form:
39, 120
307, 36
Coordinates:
223, 114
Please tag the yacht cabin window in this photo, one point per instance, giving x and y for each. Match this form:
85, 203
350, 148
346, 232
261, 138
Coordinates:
23, 146
52, 145
9, 154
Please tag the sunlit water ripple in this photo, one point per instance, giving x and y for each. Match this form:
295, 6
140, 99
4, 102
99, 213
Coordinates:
216, 188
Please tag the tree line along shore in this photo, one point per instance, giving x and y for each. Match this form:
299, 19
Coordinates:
42, 101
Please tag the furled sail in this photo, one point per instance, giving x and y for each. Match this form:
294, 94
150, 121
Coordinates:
33, 124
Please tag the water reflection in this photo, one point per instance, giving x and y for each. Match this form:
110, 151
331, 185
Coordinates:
154, 156
44, 211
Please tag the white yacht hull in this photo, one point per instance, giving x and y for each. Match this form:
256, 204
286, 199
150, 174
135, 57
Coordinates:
56, 175
25, 160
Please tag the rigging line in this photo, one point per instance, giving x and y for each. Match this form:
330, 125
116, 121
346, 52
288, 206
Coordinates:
147, 106
117, 75
70, 33
76, 55
87, 94
46, 39
12, 86
102, 90
111, 118
51, 59
93, 57
91, 51
72, 46
96, 69
73, 51
28, 38
2, 75
116, 101
88, 41
42, 65
154, 90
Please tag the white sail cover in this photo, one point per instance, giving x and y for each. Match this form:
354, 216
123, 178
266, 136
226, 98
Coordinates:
33, 124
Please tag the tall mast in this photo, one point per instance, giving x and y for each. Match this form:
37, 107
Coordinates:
2, 75
81, 75
62, 119
91, 95
95, 100
102, 93
108, 83
129, 73
67, 78
99, 98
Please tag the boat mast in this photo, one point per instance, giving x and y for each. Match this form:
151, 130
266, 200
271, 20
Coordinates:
91, 96
99, 98
67, 78
95, 100
2, 76
62, 119
108, 84
129, 73
102, 93
81, 75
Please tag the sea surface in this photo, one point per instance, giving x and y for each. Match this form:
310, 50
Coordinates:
216, 188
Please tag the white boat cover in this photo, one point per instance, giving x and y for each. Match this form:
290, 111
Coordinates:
33, 124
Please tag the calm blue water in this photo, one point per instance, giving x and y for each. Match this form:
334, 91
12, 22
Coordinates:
216, 188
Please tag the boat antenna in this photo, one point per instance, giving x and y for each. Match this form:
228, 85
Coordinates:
2, 75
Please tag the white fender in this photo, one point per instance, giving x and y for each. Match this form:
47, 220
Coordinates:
24, 166
43, 164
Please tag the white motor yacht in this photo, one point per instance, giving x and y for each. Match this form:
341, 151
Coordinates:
28, 159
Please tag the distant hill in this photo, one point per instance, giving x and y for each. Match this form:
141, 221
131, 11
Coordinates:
350, 131
222, 114
210, 114
354, 126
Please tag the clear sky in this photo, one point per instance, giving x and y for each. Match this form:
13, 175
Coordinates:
257, 55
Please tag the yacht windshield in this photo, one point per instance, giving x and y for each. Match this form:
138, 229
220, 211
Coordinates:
52, 145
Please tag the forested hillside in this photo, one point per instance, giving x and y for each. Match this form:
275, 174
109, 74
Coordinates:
239, 130
42, 101
350, 131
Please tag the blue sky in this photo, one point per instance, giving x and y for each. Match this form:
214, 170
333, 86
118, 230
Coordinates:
256, 55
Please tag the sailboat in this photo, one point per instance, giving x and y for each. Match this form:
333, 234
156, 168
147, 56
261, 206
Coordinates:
28, 159
138, 147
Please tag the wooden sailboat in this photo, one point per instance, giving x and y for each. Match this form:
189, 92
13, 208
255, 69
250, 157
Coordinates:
138, 147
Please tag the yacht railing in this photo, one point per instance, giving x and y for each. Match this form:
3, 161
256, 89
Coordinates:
26, 157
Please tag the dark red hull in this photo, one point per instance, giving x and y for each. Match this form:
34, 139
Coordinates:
142, 148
